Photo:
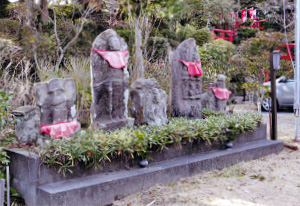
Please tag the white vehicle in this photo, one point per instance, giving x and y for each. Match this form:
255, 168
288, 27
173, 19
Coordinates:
284, 93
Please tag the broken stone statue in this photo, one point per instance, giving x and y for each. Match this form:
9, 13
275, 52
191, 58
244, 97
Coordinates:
217, 94
148, 102
186, 83
56, 100
27, 128
110, 79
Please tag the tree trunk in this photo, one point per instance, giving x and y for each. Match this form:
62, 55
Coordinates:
29, 11
113, 13
139, 63
44, 13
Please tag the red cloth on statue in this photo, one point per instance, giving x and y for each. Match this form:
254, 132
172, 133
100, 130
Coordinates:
221, 93
194, 68
61, 129
116, 59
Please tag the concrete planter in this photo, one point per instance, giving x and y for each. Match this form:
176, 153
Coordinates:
41, 185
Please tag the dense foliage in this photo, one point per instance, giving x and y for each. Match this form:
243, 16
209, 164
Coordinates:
215, 57
93, 148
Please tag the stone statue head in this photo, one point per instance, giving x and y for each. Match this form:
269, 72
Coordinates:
114, 44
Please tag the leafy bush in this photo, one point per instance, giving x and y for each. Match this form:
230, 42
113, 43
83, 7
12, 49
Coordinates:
249, 22
169, 34
202, 36
246, 33
157, 49
10, 28
93, 148
6, 138
215, 57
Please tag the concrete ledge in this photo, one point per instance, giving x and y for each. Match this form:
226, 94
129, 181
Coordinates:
35, 172
41, 185
103, 189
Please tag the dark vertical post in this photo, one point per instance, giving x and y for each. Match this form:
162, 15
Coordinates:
274, 65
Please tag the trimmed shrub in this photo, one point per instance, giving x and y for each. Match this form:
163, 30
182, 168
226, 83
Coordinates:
201, 36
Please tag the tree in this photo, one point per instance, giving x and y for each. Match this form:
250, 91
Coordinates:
63, 42
3, 11
44, 10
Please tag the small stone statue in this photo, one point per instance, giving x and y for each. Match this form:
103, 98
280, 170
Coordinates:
148, 102
186, 81
110, 80
27, 128
217, 94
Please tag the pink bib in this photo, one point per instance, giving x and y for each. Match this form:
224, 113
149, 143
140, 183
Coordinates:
61, 129
194, 68
221, 93
116, 59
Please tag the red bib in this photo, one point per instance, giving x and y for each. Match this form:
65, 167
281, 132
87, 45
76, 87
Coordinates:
221, 93
116, 59
194, 68
61, 129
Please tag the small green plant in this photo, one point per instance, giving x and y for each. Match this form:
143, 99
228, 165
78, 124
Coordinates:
7, 138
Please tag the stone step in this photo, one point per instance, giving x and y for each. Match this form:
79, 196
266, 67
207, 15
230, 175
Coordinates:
103, 189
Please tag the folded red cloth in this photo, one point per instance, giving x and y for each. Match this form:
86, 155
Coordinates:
61, 129
194, 68
116, 59
221, 93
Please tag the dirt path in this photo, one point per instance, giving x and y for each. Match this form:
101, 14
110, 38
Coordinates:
272, 180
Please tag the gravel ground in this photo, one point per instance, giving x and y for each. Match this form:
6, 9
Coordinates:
271, 180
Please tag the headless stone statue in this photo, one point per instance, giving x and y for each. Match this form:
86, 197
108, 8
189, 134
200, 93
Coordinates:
148, 102
56, 100
212, 101
186, 89
109, 84
27, 128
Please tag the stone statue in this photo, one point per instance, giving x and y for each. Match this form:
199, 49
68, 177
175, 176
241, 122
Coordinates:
217, 94
27, 128
56, 100
148, 102
186, 83
110, 80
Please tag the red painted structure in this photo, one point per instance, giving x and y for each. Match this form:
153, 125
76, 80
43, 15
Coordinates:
228, 35
256, 24
288, 55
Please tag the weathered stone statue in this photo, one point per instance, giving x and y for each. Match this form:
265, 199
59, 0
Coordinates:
56, 100
217, 94
27, 128
148, 102
186, 81
109, 59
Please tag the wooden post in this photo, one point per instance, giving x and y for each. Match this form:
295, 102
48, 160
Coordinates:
273, 65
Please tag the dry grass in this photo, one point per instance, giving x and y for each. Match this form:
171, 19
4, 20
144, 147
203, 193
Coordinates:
270, 180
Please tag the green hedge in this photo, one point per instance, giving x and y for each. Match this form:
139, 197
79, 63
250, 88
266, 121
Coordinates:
95, 147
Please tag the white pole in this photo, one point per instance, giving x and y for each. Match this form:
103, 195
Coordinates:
2, 191
296, 70
7, 186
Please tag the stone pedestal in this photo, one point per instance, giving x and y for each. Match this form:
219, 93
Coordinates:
109, 85
186, 90
27, 128
148, 102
